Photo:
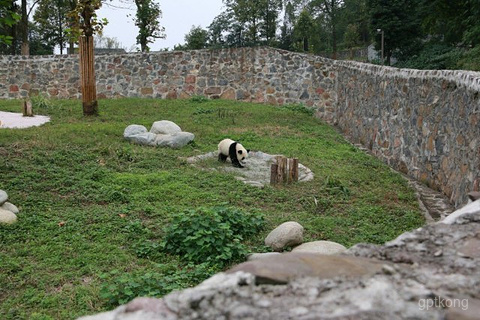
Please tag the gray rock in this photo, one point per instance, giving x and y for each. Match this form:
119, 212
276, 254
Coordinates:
176, 140
138, 309
10, 207
257, 256
146, 138
133, 130
288, 234
7, 217
165, 127
3, 197
320, 247
285, 267
471, 208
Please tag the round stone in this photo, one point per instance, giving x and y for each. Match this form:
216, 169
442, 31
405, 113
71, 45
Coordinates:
287, 234
165, 127
10, 207
320, 247
3, 197
7, 217
133, 129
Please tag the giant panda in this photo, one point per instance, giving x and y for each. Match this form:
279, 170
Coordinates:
234, 150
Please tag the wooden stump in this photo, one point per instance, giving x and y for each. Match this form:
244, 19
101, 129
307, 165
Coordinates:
284, 171
273, 174
293, 170
27, 108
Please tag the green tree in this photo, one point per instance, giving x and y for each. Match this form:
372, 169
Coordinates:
196, 38
286, 31
226, 31
269, 11
147, 20
52, 22
354, 14
330, 9
252, 22
8, 18
37, 43
303, 29
351, 37
399, 21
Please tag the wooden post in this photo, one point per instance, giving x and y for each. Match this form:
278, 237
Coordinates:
27, 108
282, 169
273, 174
292, 170
87, 73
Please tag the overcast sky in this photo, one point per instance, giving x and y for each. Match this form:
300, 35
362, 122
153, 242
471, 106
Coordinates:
178, 17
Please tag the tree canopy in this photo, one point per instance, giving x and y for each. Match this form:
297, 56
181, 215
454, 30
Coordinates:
417, 33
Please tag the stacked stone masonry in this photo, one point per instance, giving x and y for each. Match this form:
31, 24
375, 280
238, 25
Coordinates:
423, 123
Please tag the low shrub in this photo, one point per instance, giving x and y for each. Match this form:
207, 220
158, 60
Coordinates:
212, 235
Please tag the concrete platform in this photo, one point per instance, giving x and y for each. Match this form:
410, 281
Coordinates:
12, 120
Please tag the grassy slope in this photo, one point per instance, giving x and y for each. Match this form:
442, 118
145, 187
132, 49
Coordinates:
89, 199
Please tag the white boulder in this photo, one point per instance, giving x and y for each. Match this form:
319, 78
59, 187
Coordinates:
146, 138
175, 141
165, 127
133, 130
320, 247
7, 217
3, 197
287, 234
10, 207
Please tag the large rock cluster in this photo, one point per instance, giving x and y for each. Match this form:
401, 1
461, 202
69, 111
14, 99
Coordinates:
429, 273
8, 211
163, 133
290, 235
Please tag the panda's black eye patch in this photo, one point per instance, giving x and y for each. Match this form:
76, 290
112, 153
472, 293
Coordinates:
239, 151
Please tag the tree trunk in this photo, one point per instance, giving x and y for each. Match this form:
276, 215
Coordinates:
87, 67
24, 27
334, 28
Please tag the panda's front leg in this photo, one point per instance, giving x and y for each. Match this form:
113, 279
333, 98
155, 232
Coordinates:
222, 157
237, 164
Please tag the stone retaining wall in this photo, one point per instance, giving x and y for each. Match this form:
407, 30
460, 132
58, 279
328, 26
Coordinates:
250, 74
424, 123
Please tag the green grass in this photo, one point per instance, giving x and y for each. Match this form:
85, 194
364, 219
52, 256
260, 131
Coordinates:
94, 207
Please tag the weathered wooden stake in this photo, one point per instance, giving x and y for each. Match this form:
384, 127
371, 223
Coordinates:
273, 174
292, 170
284, 171
87, 71
27, 108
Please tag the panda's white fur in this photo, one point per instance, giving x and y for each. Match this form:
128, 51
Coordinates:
228, 148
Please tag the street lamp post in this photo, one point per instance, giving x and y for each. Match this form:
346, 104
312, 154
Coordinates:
382, 43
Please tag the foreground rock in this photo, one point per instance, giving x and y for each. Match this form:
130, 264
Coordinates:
320, 247
8, 211
3, 197
430, 273
7, 217
288, 234
163, 133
